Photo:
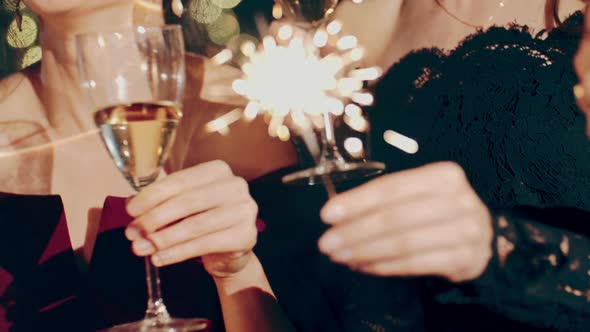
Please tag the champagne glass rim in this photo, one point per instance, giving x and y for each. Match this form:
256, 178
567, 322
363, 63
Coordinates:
136, 28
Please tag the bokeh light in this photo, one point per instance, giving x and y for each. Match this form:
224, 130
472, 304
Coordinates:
31, 56
10, 5
354, 146
223, 29
18, 47
204, 11
24, 37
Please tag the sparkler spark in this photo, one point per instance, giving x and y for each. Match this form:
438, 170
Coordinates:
295, 73
401, 141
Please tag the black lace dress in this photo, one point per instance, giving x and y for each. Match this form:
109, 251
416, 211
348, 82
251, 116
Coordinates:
501, 105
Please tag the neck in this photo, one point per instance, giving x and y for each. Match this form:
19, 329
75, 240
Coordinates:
474, 14
483, 14
58, 81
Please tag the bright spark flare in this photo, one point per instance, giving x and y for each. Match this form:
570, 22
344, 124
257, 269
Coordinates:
297, 74
354, 146
401, 141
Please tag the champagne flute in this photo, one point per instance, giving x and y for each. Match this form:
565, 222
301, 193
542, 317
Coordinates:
331, 164
135, 80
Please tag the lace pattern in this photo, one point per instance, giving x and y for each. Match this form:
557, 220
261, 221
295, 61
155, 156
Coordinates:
540, 274
501, 105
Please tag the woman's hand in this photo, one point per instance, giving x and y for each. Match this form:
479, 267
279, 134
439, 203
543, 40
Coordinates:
426, 221
204, 211
582, 65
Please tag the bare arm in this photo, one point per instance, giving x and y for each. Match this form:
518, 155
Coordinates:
219, 226
248, 302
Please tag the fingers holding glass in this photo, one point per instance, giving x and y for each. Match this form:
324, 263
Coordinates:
383, 232
213, 219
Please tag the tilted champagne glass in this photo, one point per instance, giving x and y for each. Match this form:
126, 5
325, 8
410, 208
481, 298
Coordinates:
331, 165
135, 80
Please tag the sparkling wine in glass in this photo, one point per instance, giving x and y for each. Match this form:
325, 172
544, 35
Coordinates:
139, 137
135, 80
331, 165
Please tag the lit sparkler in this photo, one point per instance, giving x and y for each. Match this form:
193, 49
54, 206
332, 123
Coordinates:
299, 80
296, 72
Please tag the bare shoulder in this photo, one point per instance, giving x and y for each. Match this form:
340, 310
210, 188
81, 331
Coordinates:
18, 95
10, 88
22, 121
23, 164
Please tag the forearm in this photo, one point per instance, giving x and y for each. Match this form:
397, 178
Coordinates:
248, 302
539, 273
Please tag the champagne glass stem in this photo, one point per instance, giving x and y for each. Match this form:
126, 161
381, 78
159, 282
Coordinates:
329, 154
156, 310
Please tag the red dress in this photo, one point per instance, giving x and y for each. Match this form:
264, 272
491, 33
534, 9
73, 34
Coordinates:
42, 288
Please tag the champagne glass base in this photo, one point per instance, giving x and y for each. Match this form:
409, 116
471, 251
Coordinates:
335, 172
170, 325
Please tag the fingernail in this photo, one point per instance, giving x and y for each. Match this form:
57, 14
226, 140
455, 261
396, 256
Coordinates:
342, 256
131, 207
333, 213
132, 233
143, 247
157, 260
330, 242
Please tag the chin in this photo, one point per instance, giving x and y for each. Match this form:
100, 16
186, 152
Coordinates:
60, 7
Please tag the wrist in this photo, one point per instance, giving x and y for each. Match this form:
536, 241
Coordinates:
252, 275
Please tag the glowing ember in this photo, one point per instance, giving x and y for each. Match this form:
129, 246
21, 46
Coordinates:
277, 11
401, 142
177, 7
354, 146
